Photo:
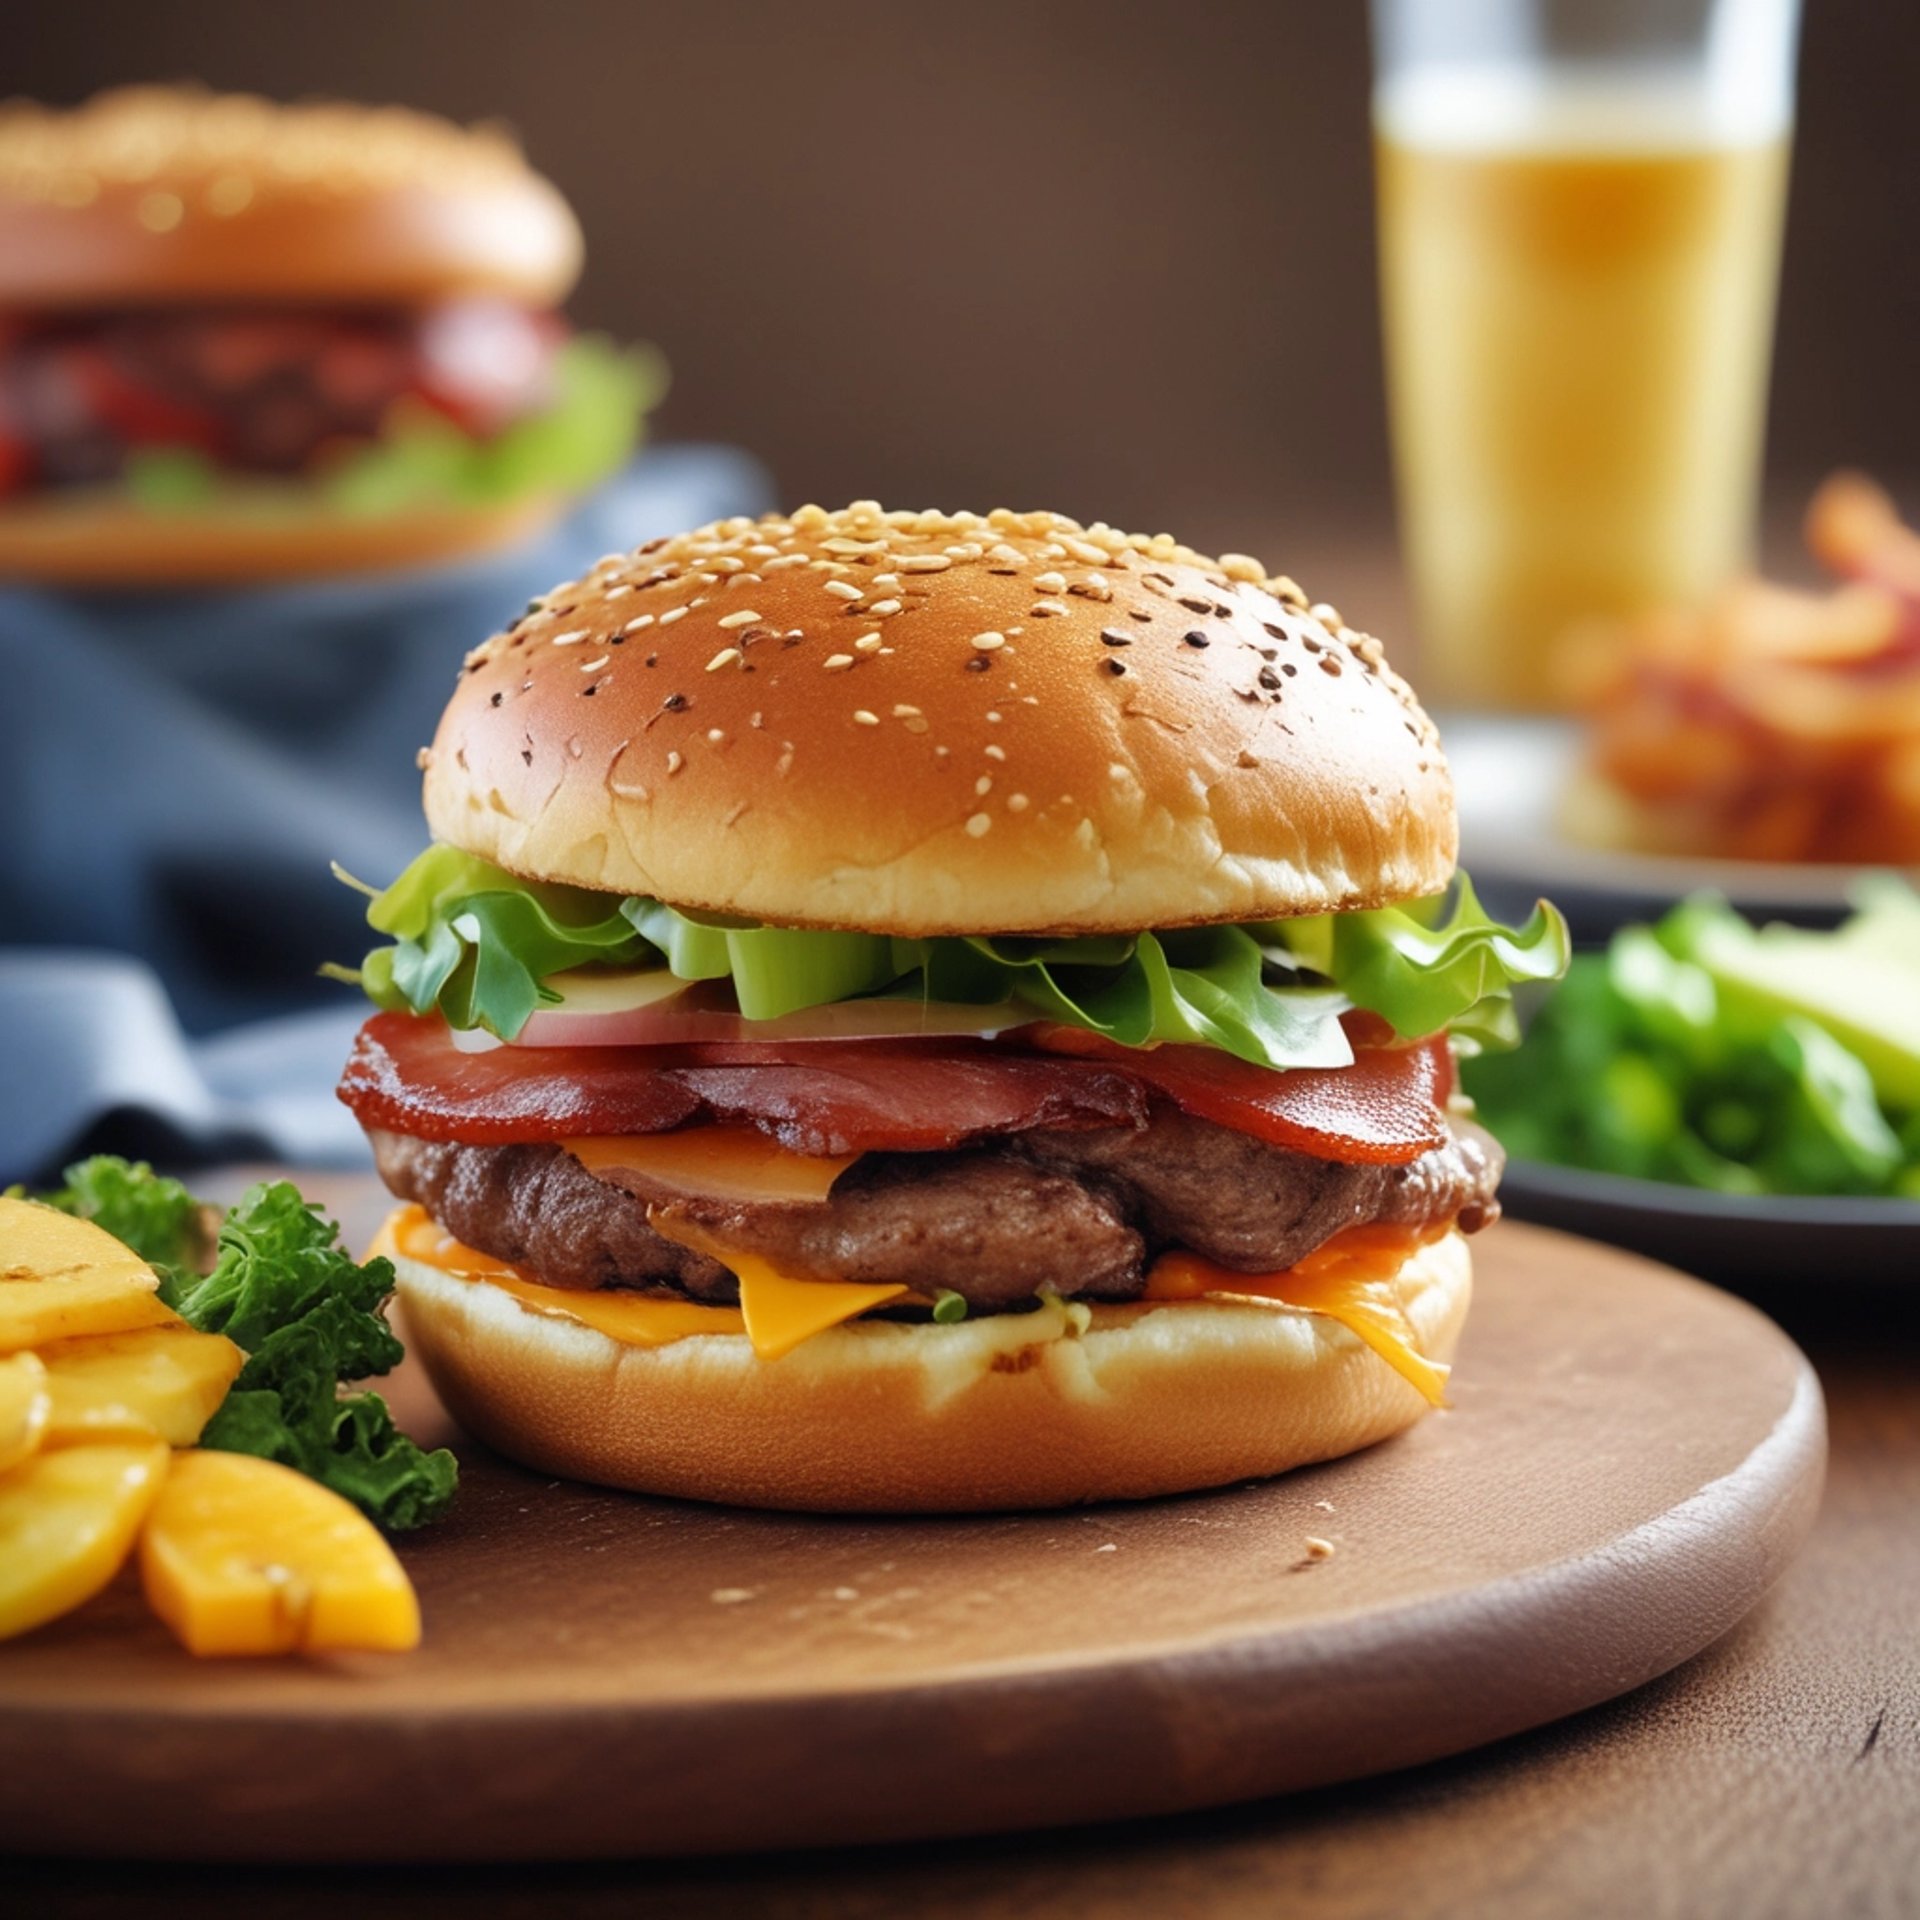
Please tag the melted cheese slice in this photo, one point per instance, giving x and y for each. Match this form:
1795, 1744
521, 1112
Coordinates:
780, 1310
721, 1163
1352, 1279
627, 1317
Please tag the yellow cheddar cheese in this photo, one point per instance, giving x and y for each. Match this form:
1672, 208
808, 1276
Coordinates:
723, 1163
1352, 1280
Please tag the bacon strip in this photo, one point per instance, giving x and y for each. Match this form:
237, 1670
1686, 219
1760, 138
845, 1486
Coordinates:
406, 1076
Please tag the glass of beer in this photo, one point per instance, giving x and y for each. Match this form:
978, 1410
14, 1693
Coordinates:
1580, 206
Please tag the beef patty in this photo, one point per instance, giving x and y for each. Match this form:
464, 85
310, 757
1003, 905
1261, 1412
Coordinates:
1079, 1213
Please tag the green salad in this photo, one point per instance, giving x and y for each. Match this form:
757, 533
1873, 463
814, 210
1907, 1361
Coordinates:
482, 947
1712, 1053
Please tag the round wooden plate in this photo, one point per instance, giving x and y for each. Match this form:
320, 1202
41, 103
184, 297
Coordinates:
1631, 1460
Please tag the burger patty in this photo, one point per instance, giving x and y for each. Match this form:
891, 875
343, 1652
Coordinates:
1080, 1213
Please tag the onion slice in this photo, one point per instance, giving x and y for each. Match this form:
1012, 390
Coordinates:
654, 1009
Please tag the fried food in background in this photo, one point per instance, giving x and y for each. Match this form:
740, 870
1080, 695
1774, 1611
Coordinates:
1776, 723
242, 340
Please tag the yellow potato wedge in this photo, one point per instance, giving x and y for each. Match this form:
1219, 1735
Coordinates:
244, 1556
26, 1405
68, 1517
60, 1277
159, 1380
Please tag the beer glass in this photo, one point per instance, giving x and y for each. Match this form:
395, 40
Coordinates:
1580, 206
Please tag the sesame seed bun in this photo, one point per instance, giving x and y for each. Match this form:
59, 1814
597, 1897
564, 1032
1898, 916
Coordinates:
1002, 1411
98, 540
928, 723
151, 195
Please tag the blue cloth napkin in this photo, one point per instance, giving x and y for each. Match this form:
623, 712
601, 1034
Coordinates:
177, 771
95, 1061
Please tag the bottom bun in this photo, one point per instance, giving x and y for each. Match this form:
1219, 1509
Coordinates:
1045, 1409
102, 540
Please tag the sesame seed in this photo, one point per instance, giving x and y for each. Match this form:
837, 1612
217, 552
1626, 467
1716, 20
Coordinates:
744, 618
984, 785
716, 734
989, 642
725, 563
837, 662
672, 614
674, 761
843, 589
993, 716
496, 699
637, 622
994, 751
1050, 583
902, 711
979, 824
594, 666
925, 563
864, 718
1114, 667
979, 663
724, 658
572, 639
1195, 639
915, 723
1085, 552
1269, 679
867, 643
1017, 803
1194, 605
887, 582
619, 590
882, 608
1047, 609
1330, 665
1109, 637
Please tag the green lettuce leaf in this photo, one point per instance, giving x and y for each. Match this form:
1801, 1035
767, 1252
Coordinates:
308, 1318
602, 392
1437, 963
479, 945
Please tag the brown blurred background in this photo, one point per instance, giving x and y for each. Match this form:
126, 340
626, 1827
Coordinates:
1114, 258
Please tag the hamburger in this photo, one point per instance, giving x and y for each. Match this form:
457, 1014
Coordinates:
240, 340
921, 1011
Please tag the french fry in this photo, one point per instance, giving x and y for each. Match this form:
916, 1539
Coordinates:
68, 1517
243, 1556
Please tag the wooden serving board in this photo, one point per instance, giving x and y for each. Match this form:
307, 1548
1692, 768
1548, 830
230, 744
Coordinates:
1631, 1460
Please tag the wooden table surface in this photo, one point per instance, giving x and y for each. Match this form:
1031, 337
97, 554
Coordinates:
1776, 1774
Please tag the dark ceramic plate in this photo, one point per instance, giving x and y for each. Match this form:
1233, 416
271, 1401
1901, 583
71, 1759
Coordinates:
1736, 1240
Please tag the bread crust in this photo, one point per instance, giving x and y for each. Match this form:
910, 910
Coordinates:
928, 723
163, 195
100, 540
1053, 1408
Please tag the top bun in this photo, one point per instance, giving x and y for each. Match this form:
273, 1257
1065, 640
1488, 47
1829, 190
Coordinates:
927, 723
152, 195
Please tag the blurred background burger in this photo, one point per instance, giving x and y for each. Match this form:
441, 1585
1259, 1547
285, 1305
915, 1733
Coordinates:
245, 340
